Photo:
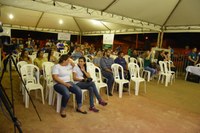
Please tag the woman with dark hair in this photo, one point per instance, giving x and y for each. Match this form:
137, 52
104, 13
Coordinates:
61, 74
24, 56
40, 59
84, 81
51, 57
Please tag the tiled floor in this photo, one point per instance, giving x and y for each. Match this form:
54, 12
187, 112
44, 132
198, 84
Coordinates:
172, 109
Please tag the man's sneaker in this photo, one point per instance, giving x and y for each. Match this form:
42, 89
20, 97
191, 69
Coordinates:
103, 103
93, 109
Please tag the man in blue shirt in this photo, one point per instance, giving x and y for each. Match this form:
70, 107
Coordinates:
105, 64
193, 58
121, 61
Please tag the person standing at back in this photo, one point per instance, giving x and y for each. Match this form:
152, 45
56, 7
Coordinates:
193, 57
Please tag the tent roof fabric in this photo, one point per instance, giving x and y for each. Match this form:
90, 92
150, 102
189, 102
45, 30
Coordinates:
104, 16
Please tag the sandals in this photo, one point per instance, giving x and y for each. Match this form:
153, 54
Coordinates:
80, 111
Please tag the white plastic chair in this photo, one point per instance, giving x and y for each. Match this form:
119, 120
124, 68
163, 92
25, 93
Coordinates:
59, 99
197, 65
126, 57
63, 51
19, 65
96, 75
113, 56
134, 60
144, 72
30, 75
169, 65
117, 71
32, 57
135, 76
164, 73
48, 81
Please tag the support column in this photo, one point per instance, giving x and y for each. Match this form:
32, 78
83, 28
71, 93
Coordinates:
136, 41
161, 39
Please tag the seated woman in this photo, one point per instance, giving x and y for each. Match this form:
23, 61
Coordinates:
83, 80
24, 57
39, 60
51, 57
147, 63
61, 75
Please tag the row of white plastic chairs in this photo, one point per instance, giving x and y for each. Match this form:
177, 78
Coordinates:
30, 75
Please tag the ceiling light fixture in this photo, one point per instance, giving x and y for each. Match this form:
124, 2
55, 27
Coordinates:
60, 21
54, 3
10, 16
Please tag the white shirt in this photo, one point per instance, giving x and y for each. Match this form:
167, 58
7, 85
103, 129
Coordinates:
63, 72
79, 73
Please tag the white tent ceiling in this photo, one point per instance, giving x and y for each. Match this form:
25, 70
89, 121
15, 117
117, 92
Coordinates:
113, 16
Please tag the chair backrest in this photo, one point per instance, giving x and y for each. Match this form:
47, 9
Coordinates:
134, 60
91, 70
63, 51
134, 70
32, 57
87, 59
30, 73
169, 64
98, 74
47, 68
45, 55
197, 65
56, 54
163, 66
126, 57
117, 71
20, 64
141, 62
113, 56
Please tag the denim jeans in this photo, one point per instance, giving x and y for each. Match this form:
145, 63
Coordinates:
65, 92
152, 70
91, 87
110, 79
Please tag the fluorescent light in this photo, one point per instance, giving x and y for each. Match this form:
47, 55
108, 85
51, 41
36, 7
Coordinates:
10, 16
96, 22
60, 21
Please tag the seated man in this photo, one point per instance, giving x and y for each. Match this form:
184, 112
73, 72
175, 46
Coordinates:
105, 64
121, 61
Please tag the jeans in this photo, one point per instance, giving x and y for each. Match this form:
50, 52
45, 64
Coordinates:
110, 79
152, 70
91, 87
65, 92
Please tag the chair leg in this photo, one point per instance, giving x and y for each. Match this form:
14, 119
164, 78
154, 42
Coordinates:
50, 88
26, 100
74, 101
136, 88
42, 93
149, 76
145, 89
120, 90
58, 106
166, 80
186, 75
